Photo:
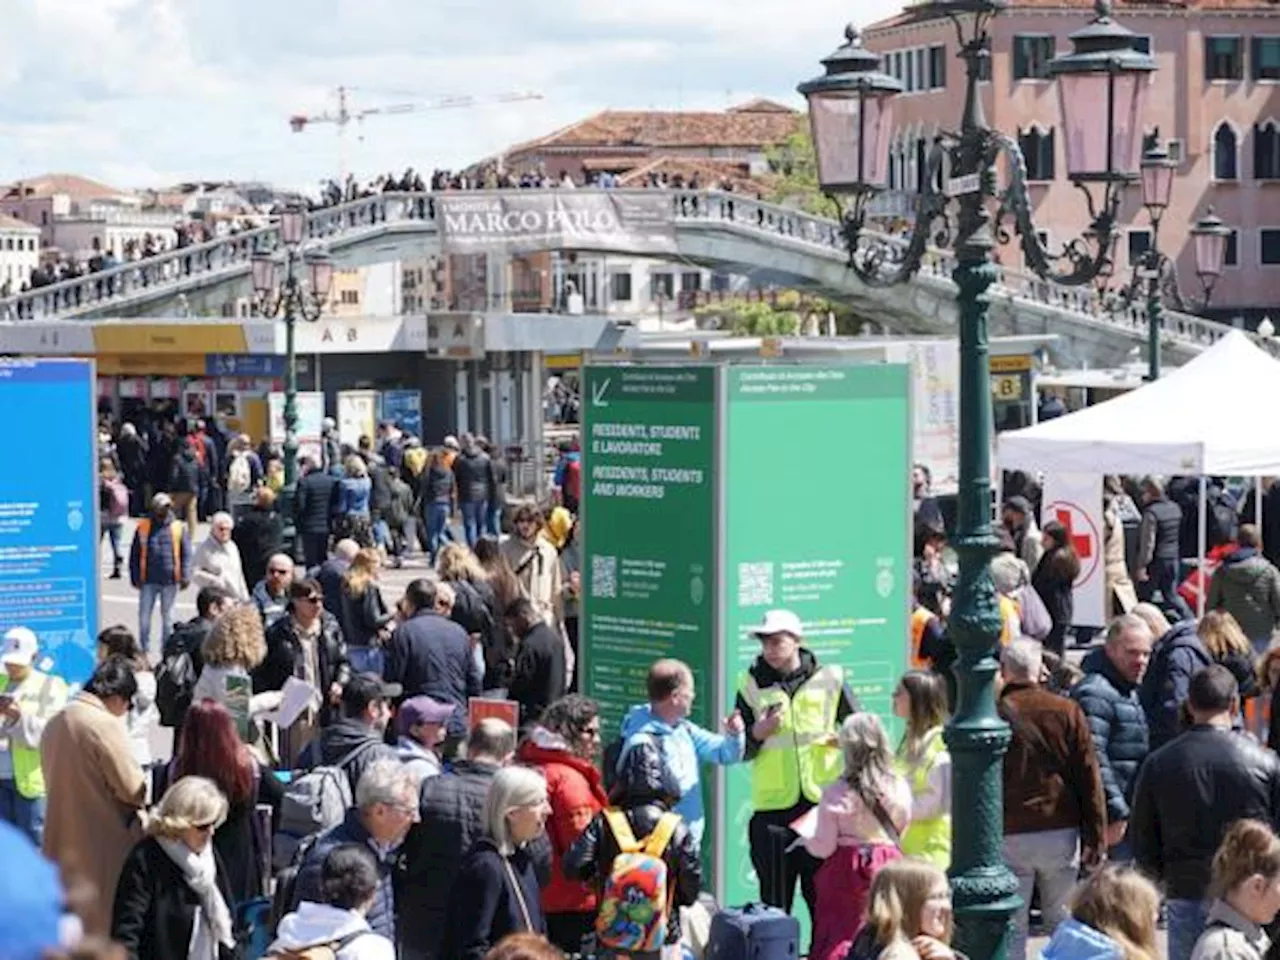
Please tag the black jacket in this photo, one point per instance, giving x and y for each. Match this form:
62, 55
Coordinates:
329, 575
363, 616
314, 505
429, 654
1119, 729
1188, 793
646, 787
766, 676
1176, 657
498, 482
258, 534
341, 739
539, 672
184, 474
474, 476
435, 485
484, 906
452, 810
284, 650
155, 908
1053, 581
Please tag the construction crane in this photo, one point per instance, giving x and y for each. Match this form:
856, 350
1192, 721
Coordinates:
346, 114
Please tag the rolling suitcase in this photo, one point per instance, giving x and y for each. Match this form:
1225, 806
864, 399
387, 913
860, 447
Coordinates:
757, 931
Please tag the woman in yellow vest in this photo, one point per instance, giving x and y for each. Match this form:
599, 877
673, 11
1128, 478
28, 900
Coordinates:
922, 758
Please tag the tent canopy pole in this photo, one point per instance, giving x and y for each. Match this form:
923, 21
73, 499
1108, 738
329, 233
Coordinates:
1204, 580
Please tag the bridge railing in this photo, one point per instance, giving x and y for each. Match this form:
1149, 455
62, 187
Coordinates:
229, 256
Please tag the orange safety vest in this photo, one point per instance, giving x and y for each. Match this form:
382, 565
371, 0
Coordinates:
920, 618
175, 532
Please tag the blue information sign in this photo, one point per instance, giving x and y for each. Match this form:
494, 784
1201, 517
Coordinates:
243, 365
404, 409
49, 516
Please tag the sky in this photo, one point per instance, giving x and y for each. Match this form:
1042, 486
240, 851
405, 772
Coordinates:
147, 93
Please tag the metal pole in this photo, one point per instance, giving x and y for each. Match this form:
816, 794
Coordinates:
291, 381
1257, 507
1204, 580
1155, 318
984, 890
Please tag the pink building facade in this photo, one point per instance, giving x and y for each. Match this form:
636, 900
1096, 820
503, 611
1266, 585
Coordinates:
1214, 103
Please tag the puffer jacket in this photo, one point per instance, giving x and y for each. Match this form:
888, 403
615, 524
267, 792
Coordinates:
452, 812
1247, 586
647, 790
1118, 726
576, 793
1174, 660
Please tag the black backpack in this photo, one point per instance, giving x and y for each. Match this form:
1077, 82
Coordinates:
177, 675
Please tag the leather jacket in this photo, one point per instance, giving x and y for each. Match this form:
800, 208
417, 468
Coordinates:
1188, 793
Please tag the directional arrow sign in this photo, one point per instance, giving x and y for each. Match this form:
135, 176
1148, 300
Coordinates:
598, 390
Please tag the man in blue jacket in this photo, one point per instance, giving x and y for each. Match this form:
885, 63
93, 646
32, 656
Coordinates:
386, 807
1108, 694
159, 566
685, 745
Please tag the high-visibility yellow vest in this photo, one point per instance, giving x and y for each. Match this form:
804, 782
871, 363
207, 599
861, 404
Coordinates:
802, 756
928, 839
40, 695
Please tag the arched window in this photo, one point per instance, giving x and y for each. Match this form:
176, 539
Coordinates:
1037, 150
1266, 151
1225, 160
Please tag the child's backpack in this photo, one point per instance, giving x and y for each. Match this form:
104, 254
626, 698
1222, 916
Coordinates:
635, 905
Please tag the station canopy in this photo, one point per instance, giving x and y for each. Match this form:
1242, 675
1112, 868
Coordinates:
1210, 417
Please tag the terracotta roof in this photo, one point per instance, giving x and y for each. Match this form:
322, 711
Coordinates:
708, 172
11, 223
761, 105
921, 12
76, 187
756, 127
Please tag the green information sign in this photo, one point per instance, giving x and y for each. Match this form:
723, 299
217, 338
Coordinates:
649, 495
816, 521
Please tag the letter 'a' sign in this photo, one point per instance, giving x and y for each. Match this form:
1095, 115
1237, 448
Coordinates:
569, 219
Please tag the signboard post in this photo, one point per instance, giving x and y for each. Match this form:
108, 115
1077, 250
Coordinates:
404, 409
695, 524
357, 416
310, 421
49, 517
842, 564
649, 506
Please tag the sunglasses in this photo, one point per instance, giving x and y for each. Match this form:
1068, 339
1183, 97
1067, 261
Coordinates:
310, 599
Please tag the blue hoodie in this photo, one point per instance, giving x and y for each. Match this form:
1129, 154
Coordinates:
685, 747
1074, 940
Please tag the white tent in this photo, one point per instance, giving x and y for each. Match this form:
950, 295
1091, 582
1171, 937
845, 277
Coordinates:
1209, 417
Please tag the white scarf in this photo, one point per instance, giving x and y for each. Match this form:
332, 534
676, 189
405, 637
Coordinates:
200, 871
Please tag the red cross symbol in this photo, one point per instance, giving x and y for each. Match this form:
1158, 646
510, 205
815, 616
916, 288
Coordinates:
1082, 542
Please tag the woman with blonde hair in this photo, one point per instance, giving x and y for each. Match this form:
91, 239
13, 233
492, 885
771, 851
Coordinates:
1221, 635
364, 618
1246, 889
1113, 917
855, 830
235, 647
173, 899
922, 757
475, 605
908, 915
352, 502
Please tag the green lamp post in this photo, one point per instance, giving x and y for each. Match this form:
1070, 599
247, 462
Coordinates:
1154, 273
850, 109
295, 298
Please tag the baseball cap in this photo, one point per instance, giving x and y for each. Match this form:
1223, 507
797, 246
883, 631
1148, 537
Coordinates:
31, 899
364, 688
161, 500
20, 646
452, 442
779, 621
422, 709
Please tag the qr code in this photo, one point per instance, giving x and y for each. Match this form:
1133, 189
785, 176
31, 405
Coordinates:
604, 577
755, 584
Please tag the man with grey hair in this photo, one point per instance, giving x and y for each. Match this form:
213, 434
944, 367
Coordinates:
1055, 811
1158, 552
217, 560
386, 807
1108, 694
330, 574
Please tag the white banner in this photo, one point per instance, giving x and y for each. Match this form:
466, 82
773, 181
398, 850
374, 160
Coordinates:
357, 416
310, 422
935, 407
1075, 501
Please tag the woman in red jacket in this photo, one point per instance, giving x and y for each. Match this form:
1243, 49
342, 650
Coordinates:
564, 745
